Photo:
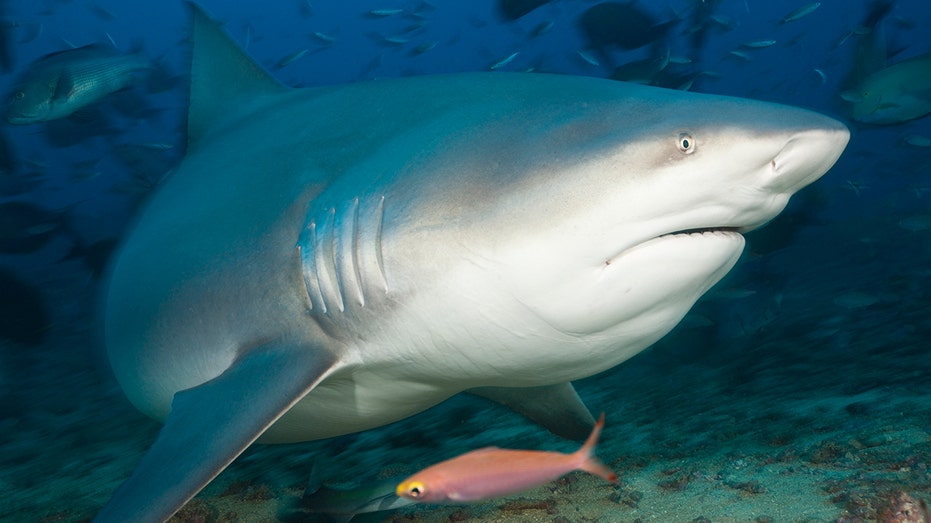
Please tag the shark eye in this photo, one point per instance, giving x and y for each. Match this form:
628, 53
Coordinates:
686, 143
19, 95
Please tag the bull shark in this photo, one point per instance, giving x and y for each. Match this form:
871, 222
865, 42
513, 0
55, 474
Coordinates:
328, 260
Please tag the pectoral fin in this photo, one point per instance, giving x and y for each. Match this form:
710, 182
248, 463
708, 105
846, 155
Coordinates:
209, 425
64, 89
558, 407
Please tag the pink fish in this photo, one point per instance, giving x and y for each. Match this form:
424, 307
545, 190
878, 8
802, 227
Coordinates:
492, 472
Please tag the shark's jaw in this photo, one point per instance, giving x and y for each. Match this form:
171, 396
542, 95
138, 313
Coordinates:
690, 235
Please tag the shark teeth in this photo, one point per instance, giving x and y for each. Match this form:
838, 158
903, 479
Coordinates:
702, 230
696, 232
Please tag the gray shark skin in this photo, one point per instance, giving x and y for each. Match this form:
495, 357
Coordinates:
328, 260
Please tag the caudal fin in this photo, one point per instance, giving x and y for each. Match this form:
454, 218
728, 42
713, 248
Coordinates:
590, 462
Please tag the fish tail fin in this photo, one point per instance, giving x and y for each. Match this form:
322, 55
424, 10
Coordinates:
590, 462
593, 465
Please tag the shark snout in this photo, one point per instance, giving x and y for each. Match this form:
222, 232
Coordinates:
808, 154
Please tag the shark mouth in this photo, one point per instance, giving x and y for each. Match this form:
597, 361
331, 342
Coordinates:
703, 230
733, 233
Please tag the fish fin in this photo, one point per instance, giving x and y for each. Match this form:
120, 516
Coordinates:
211, 424
313, 482
593, 465
342, 505
590, 462
223, 77
64, 89
557, 408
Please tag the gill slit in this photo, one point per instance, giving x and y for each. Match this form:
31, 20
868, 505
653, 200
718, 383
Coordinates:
379, 255
350, 269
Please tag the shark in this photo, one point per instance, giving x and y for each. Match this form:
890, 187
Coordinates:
332, 259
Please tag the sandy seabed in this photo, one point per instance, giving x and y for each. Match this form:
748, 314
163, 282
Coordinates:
822, 414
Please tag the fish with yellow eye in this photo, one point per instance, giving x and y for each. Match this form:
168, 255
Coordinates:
493, 472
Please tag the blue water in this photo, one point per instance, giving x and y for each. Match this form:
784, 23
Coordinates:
831, 300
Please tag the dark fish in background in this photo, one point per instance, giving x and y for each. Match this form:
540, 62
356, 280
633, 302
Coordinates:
61, 83
875, 91
800, 13
133, 104
624, 25
88, 123
542, 28
150, 161
640, 71
29, 31
649, 71
161, 79
8, 161
871, 50
340, 504
26, 227
24, 316
702, 22
893, 95
11, 183
6, 39
305, 8
95, 255
102, 12
289, 59
514, 9
879, 10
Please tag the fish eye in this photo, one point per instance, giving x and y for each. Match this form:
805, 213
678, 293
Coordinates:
685, 143
19, 95
415, 489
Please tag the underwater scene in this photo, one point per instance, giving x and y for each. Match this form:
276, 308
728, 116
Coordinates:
495, 261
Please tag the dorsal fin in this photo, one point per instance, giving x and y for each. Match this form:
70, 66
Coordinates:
223, 77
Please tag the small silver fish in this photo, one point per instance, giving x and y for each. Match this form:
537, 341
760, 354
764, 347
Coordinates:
382, 13
588, 58
504, 61
821, 75
395, 40
759, 44
917, 140
60, 83
324, 38
290, 58
801, 12
541, 29
424, 47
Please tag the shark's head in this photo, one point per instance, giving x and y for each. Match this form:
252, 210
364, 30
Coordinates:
650, 214
608, 215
